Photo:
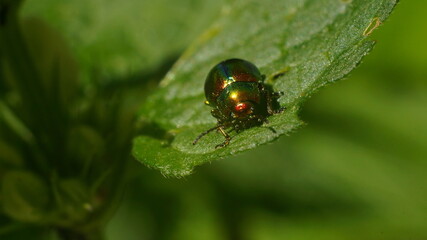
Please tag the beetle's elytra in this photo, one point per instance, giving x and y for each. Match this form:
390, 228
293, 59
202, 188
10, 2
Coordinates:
235, 89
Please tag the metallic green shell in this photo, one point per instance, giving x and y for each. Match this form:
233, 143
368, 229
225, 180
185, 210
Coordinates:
236, 93
227, 72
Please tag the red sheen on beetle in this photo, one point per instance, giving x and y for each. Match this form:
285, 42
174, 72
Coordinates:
241, 107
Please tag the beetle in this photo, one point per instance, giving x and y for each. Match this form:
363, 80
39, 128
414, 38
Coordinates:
240, 99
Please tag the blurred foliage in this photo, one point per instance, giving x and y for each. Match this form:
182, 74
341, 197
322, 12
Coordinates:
114, 39
64, 151
357, 171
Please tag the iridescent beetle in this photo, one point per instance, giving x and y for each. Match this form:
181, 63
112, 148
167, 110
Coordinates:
236, 91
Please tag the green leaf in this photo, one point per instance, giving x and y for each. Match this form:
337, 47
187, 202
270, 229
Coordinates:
303, 45
25, 196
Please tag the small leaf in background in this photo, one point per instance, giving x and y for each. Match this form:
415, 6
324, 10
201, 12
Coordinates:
308, 44
25, 197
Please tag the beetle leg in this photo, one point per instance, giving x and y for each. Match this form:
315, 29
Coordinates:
204, 133
277, 94
271, 98
215, 113
227, 138
281, 109
272, 129
261, 87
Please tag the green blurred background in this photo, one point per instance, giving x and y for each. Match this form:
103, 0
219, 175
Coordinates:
357, 170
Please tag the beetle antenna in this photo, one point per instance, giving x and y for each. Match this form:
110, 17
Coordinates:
204, 133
